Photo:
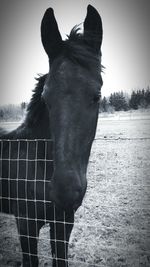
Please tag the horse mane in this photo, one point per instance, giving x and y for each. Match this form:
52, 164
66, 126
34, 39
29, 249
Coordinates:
78, 50
36, 106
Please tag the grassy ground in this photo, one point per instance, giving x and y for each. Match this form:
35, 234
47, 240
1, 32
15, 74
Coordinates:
112, 227
116, 212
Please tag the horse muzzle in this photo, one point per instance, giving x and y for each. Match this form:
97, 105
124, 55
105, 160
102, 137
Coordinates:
66, 190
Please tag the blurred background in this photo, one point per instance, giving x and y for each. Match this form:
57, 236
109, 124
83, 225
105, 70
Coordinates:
125, 49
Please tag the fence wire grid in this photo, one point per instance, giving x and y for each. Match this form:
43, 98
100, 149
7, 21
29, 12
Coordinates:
112, 225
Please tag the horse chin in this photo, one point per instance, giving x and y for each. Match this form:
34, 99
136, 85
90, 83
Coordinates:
60, 204
67, 208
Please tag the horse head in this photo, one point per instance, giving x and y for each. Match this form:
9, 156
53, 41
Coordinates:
72, 93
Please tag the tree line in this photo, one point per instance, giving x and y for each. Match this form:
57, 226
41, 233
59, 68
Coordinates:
120, 101
115, 102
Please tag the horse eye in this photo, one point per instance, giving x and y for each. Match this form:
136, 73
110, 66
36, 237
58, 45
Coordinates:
96, 99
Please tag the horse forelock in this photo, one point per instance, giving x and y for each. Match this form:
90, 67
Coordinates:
76, 49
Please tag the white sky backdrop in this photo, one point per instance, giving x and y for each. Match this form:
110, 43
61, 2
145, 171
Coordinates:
125, 49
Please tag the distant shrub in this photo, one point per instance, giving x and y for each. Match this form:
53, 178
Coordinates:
118, 101
12, 112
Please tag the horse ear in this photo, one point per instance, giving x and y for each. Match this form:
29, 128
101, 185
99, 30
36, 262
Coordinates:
93, 30
50, 34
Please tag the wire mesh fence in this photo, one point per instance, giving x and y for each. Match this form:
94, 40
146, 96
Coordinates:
112, 225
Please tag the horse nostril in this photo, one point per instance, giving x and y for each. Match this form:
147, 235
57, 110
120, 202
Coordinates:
77, 199
77, 195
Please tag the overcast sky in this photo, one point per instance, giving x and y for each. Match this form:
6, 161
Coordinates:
125, 49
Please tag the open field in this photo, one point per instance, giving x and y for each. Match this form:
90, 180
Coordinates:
112, 227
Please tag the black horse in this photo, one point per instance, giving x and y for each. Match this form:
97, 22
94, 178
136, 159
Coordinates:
44, 161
